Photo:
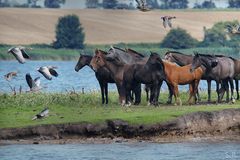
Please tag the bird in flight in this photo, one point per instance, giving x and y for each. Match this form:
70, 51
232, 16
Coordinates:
167, 21
142, 5
233, 29
20, 53
48, 72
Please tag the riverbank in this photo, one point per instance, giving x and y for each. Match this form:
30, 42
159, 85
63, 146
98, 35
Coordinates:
199, 126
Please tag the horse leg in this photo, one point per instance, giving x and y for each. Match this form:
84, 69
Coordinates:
191, 87
122, 94
170, 89
232, 88
237, 89
147, 92
137, 91
177, 99
195, 89
106, 92
220, 92
151, 94
198, 96
157, 92
102, 86
209, 90
227, 90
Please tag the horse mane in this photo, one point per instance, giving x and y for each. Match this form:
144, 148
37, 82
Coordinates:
135, 52
234, 59
118, 49
176, 52
217, 55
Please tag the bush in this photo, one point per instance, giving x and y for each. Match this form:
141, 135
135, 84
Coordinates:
178, 39
69, 33
218, 36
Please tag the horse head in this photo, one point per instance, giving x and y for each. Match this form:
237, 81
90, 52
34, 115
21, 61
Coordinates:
98, 60
168, 56
196, 62
82, 61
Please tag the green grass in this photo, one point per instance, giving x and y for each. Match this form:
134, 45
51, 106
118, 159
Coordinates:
45, 52
17, 111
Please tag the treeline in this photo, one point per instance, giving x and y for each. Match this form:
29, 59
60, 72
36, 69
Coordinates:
33, 4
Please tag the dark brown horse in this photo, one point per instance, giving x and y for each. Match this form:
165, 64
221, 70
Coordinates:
151, 73
103, 75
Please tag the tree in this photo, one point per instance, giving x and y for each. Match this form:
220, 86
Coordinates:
234, 4
109, 4
208, 4
174, 4
178, 39
53, 3
69, 33
92, 4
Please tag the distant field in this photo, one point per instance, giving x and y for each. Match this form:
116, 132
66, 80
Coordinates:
29, 26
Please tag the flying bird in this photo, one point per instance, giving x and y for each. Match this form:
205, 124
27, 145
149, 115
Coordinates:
42, 114
48, 71
34, 85
167, 21
20, 53
233, 29
10, 75
142, 5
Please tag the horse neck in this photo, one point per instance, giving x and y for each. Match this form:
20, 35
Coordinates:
237, 66
111, 66
125, 57
88, 60
182, 59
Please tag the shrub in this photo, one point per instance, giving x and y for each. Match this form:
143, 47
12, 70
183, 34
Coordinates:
178, 39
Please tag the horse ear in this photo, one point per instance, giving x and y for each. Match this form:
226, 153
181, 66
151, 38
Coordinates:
195, 53
96, 51
112, 48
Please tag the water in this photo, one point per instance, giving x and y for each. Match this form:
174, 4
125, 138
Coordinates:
67, 80
124, 151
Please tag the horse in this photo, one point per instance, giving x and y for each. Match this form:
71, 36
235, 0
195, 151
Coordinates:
219, 68
181, 75
182, 60
237, 75
115, 66
103, 75
151, 73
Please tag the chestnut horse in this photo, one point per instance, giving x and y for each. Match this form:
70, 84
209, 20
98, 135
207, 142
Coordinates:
177, 75
103, 75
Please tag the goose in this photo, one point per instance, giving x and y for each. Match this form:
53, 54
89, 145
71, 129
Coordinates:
48, 71
42, 114
34, 85
19, 53
10, 75
167, 21
233, 29
142, 5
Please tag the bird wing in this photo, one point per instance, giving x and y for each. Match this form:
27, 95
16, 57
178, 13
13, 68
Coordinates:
164, 22
44, 112
24, 53
169, 23
37, 82
29, 80
53, 72
139, 4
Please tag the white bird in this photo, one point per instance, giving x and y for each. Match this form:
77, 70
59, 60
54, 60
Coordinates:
48, 71
42, 114
19, 53
34, 85
233, 29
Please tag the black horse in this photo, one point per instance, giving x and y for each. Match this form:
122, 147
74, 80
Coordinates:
151, 73
103, 75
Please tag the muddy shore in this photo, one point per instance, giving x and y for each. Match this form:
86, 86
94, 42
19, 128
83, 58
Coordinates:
217, 125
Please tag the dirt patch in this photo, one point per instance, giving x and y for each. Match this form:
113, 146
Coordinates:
29, 26
200, 124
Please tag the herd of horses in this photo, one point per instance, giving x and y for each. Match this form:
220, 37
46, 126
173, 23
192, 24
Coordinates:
128, 69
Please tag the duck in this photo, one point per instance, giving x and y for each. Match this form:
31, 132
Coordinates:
20, 53
167, 21
142, 5
10, 75
48, 71
34, 85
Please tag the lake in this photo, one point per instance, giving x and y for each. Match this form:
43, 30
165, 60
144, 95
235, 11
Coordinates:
67, 80
124, 151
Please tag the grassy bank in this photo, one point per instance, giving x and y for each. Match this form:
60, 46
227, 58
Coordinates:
17, 111
45, 52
